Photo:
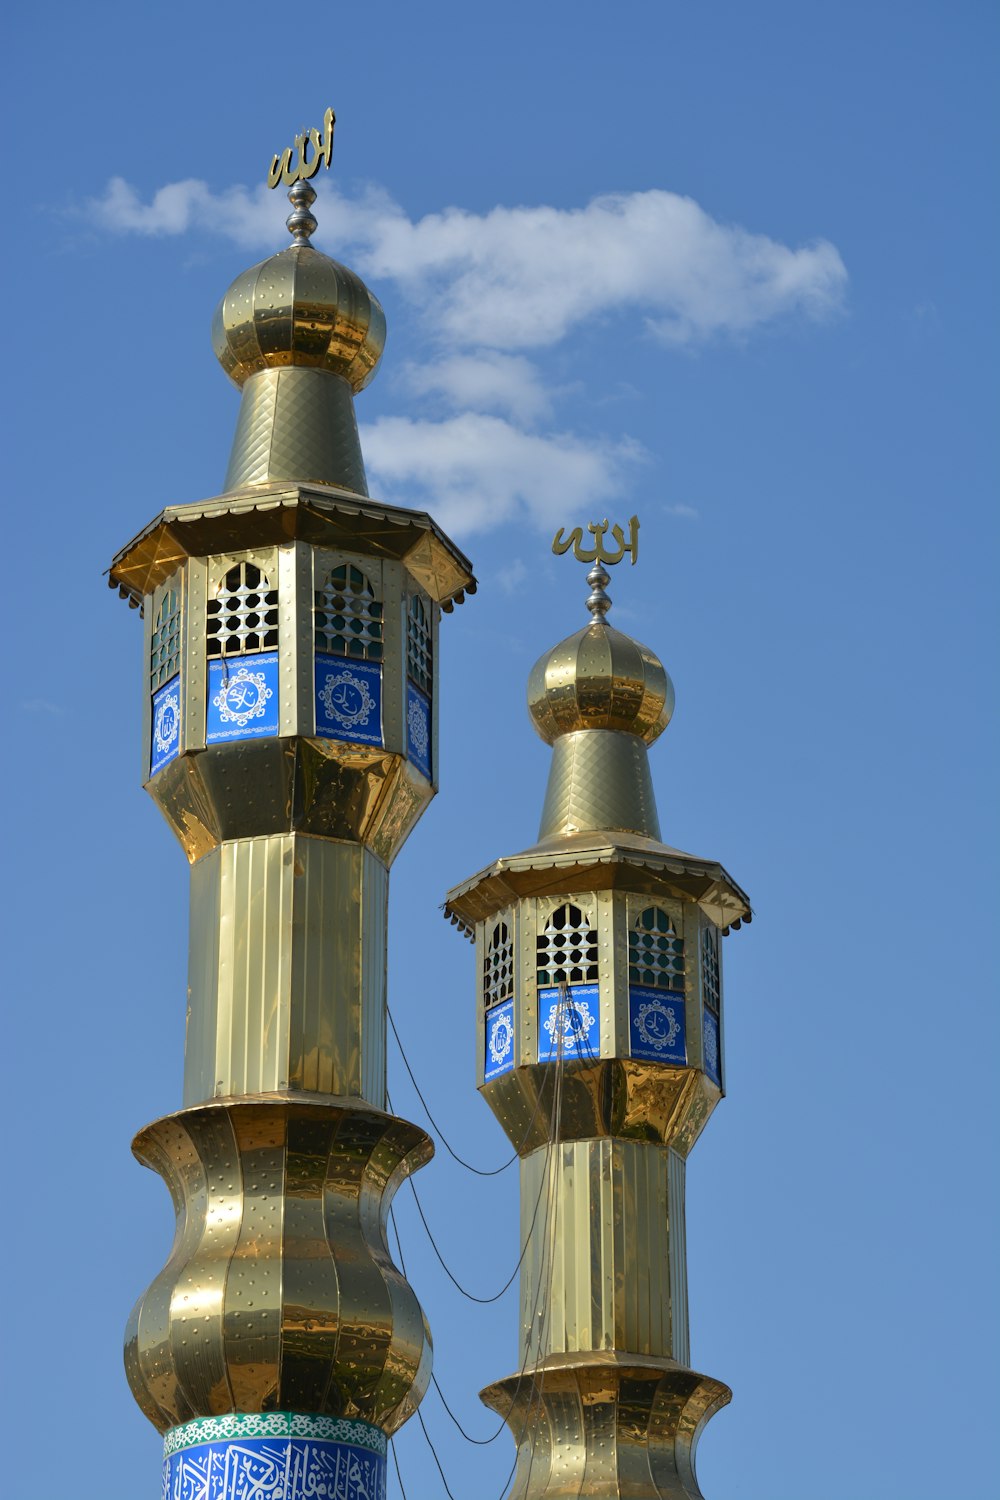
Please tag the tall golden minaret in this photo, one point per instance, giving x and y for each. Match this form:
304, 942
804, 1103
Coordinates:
600, 1053
290, 740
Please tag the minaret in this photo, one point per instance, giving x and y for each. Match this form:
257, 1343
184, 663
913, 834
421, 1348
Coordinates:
290, 740
599, 1016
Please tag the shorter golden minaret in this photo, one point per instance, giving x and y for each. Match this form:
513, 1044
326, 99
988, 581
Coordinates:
600, 1053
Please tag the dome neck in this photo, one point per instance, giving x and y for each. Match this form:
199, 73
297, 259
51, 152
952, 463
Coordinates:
599, 781
297, 424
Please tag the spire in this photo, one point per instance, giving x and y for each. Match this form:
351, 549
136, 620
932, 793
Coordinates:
299, 334
599, 698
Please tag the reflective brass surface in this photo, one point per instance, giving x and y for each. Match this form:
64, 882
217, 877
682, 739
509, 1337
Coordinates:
599, 861
286, 970
297, 786
299, 307
279, 513
280, 1293
599, 678
624, 1097
296, 424
608, 1283
607, 1425
599, 780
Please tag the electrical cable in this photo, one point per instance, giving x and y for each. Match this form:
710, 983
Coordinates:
395, 1459
479, 1171
471, 1296
547, 1176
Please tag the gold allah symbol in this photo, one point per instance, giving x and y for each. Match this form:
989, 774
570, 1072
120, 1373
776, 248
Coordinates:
598, 552
321, 142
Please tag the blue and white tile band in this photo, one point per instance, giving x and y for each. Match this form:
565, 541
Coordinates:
276, 1455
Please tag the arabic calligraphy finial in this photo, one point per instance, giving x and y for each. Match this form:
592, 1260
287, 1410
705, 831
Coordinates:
600, 555
294, 167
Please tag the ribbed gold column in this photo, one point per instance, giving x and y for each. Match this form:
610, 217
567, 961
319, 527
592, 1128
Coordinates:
279, 995
608, 1284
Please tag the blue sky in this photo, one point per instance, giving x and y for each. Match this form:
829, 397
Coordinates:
732, 268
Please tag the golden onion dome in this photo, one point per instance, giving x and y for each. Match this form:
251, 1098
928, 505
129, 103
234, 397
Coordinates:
599, 678
299, 307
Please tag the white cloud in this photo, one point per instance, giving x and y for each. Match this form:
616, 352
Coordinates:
488, 287
475, 471
484, 381
523, 278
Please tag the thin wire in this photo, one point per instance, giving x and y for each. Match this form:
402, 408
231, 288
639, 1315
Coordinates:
479, 1171
537, 1390
482, 1301
395, 1459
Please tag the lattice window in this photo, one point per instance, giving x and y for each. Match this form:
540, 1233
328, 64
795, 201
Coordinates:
567, 948
419, 663
711, 987
498, 966
165, 655
655, 952
243, 616
348, 616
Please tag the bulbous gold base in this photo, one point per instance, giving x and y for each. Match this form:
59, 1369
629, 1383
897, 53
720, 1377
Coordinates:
606, 1424
280, 1293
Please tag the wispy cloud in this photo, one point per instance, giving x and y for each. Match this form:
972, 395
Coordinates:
475, 471
484, 380
490, 287
523, 278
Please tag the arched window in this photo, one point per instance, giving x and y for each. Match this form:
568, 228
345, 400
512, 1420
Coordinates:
243, 616
165, 654
711, 988
419, 664
348, 616
567, 948
655, 952
498, 966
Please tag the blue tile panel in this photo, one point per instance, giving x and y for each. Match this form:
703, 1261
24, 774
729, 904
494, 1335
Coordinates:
242, 697
710, 1037
278, 1467
656, 1024
499, 1040
166, 736
570, 1026
348, 700
418, 729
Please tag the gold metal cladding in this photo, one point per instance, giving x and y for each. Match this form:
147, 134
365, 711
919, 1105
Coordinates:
599, 780
623, 1097
296, 424
606, 1425
299, 307
286, 976
599, 679
282, 513
251, 788
280, 1293
615, 1275
596, 862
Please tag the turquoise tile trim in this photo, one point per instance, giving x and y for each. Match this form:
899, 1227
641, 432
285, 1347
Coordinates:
244, 1426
